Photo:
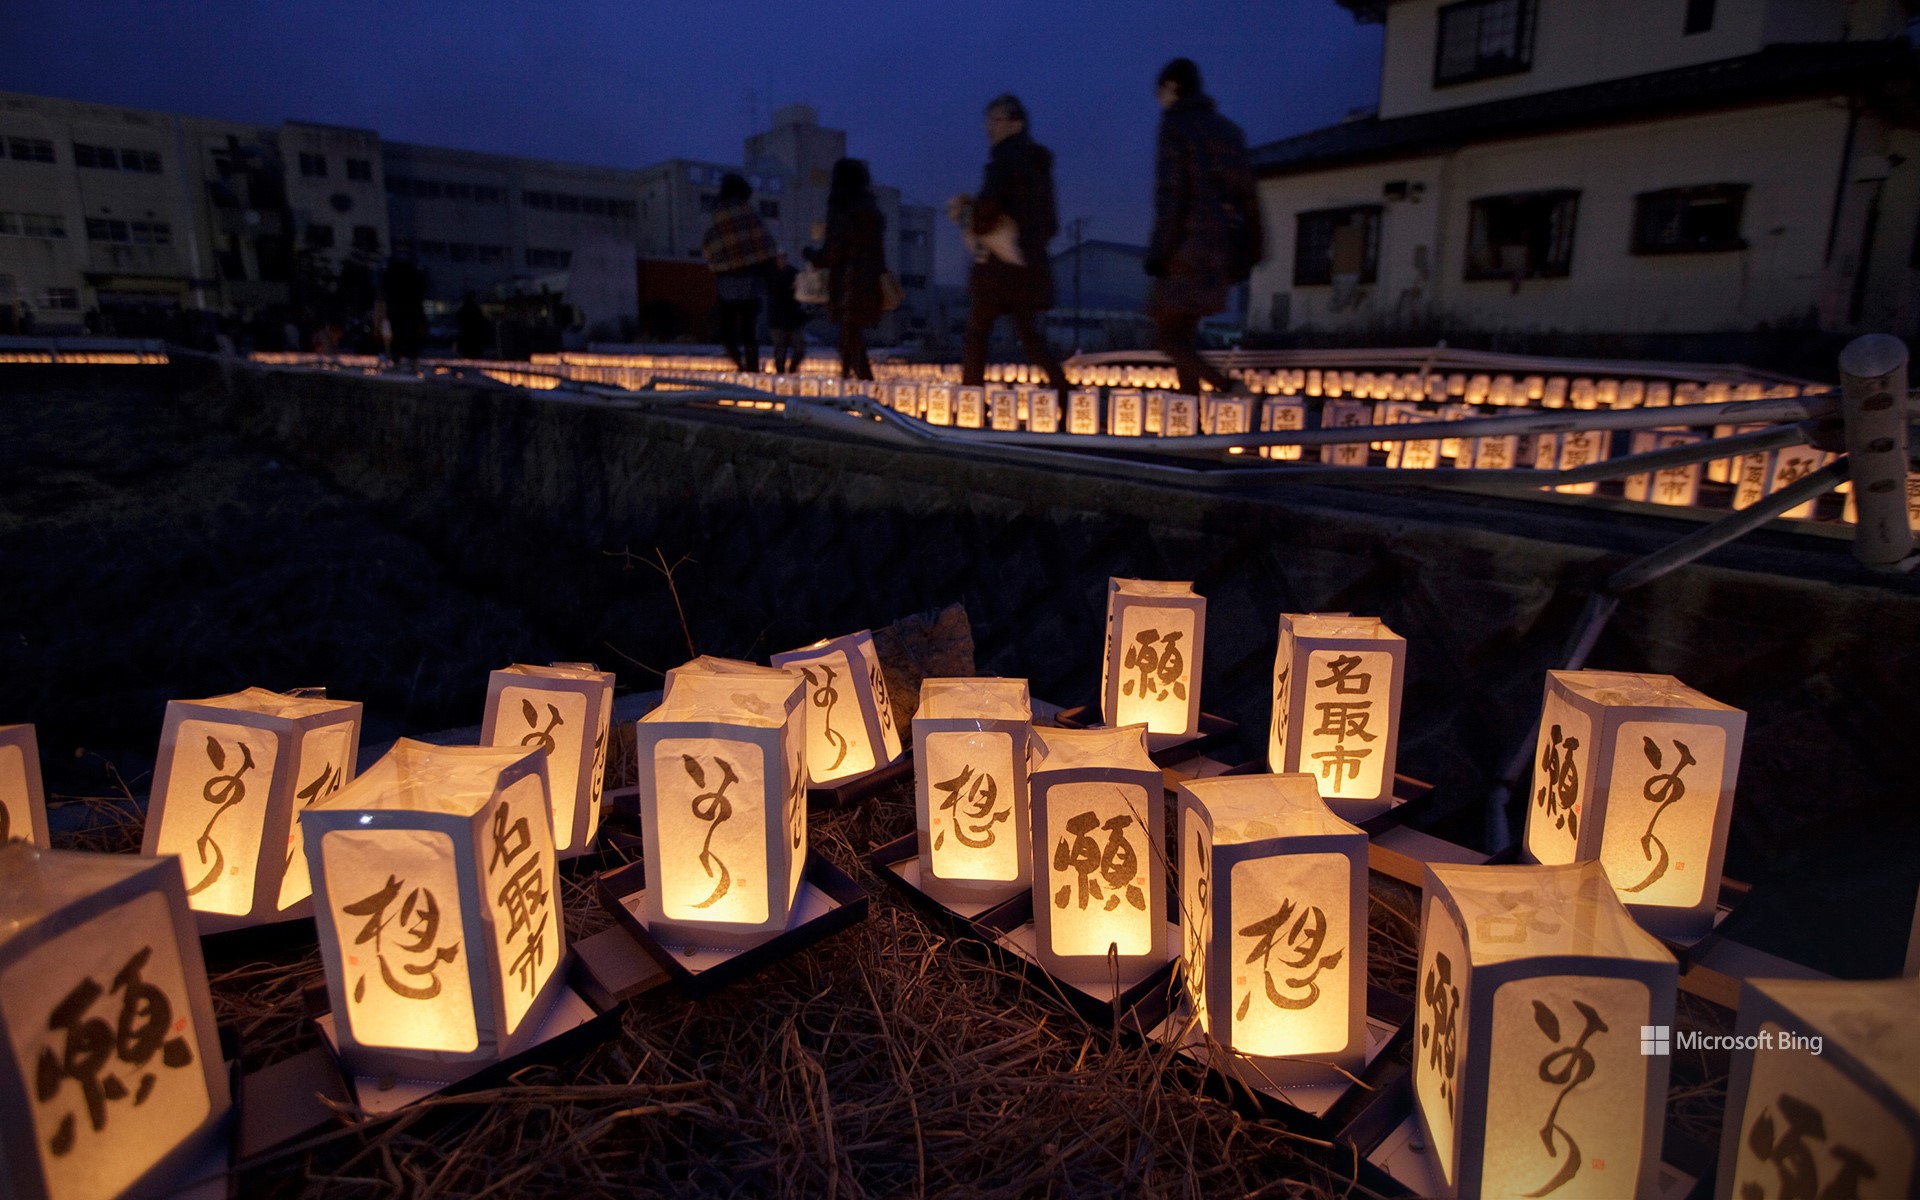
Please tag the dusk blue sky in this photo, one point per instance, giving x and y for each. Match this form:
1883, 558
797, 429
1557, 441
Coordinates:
630, 84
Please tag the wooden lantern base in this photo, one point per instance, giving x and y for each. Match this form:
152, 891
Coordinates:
898, 862
1144, 994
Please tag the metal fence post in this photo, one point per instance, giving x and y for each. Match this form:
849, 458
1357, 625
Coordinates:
1873, 387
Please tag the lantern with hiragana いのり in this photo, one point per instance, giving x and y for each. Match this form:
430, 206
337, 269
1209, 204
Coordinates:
970, 766
1150, 671
565, 710
850, 725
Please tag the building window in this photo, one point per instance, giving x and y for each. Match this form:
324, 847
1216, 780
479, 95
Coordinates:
555, 260
1699, 17
313, 166
1689, 220
770, 209
129, 233
1337, 242
366, 239
1526, 235
319, 237
106, 158
360, 169
33, 225
63, 299
274, 257
26, 149
1480, 39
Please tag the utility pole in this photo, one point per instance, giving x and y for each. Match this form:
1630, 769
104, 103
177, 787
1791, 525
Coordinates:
1077, 230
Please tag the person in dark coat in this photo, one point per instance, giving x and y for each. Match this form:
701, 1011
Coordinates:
1206, 221
786, 316
855, 256
1010, 280
404, 290
473, 332
739, 250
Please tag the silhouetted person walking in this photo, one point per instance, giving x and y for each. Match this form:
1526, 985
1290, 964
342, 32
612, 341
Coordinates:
473, 332
739, 250
855, 256
404, 291
1206, 221
786, 316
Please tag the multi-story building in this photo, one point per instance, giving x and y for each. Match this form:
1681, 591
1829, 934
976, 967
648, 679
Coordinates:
1637, 167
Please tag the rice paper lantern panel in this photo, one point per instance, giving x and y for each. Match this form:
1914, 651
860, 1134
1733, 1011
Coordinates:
850, 725
23, 799
1336, 711
970, 741
565, 711
1151, 666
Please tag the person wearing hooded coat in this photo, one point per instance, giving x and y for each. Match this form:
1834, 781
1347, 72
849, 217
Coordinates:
855, 256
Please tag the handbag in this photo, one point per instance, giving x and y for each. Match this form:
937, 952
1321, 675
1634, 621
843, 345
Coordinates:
810, 286
892, 295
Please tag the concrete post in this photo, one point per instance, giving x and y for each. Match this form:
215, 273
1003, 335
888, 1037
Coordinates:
1873, 384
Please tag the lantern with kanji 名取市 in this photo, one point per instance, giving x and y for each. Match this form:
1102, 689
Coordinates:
850, 724
23, 802
1083, 411
1273, 922
112, 1079
1824, 1096
1637, 771
1099, 870
1126, 413
1534, 986
1336, 708
437, 908
970, 788
233, 775
1150, 671
723, 805
565, 710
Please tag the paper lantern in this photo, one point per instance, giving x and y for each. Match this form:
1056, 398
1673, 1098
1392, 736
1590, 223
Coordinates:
1126, 413
1336, 708
970, 788
1003, 409
1278, 415
1579, 448
1528, 1075
1824, 1097
1230, 414
939, 400
1150, 672
1099, 870
566, 711
723, 804
233, 774
1273, 921
1083, 411
970, 407
437, 908
23, 802
1043, 410
1637, 771
1345, 415
113, 1077
1181, 417
850, 726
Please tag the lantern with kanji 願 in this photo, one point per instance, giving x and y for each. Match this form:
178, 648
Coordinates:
113, 1081
233, 774
1273, 921
1638, 772
1534, 986
1336, 708
23, 803
970, 788
1099, 871
723, 805
1150, 671
565, 710
850, 725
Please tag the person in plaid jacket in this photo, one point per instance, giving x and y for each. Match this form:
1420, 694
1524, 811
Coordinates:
740, 252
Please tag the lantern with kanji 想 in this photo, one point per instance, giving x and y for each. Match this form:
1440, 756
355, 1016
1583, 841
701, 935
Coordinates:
1824, 1096
112, 1081
1533, 989
723, 805
1099, 871
1638, 772
23, 802
233, 774
1336, 708
1273, 921
850, 725
970, 788
565, 710
1150, 671
437, 908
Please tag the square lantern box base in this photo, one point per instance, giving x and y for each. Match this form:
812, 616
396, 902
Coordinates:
1144, 993
829, 901
1733, 893
1164, 748
842, 792
898, 862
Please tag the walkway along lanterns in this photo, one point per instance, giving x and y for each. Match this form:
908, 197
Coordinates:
849, 723
1336, 708
970, 739
566, 711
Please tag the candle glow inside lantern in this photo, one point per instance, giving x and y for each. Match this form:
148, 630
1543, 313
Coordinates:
113, 1077
1273, 922
23, 802
566, 711
970, 741
1150, 671
437, 908
723, 804
1083, 411
850, 725
233, 774
1529, 1078
1099, 873
1824, 1097
1126, 413
1638, 772
1336, 709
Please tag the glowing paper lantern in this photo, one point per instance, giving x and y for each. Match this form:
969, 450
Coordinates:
939, 401
1336, 708
1638, 772
1099, 873
1345, 415
850, 726
1181, 417
233, 774
113, 1077
23, 803
723, 805
1824, 1097
1150, 672
437, 908
1083, 411
1230, 414
1043, 410
1579, 448
1126, 413
970, 408
1276, 415
1003, 409
565, 710
970, 788
1528, 1076
1273, 921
